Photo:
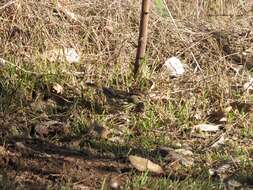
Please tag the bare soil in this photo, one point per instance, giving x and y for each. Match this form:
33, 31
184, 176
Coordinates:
39, 163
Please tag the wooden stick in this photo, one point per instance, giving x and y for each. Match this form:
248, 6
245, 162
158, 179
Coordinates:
143, 33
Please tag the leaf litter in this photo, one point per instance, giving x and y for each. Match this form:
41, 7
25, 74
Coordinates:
143, 164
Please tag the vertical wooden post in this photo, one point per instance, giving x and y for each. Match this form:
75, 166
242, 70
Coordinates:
143, 32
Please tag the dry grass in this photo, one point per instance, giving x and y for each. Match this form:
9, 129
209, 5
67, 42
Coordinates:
213, 38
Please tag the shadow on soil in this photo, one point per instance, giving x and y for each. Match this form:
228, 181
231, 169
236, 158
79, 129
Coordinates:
38, 163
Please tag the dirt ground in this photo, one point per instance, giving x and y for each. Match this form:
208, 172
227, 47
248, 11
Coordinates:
33, 163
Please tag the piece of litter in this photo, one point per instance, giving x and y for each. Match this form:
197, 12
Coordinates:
71, 55
174, 66
207, 127
67, 54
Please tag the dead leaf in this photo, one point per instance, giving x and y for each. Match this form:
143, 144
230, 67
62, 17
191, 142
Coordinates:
143, 164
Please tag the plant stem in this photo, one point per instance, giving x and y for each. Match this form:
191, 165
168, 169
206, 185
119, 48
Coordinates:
143, 32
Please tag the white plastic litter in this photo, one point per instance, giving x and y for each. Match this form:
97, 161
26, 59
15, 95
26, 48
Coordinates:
67, 54
71, 55
207, 127
174, 66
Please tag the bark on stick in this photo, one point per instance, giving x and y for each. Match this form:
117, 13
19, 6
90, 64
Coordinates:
143, 32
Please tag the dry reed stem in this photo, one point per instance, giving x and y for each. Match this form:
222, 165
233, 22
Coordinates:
143, 33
